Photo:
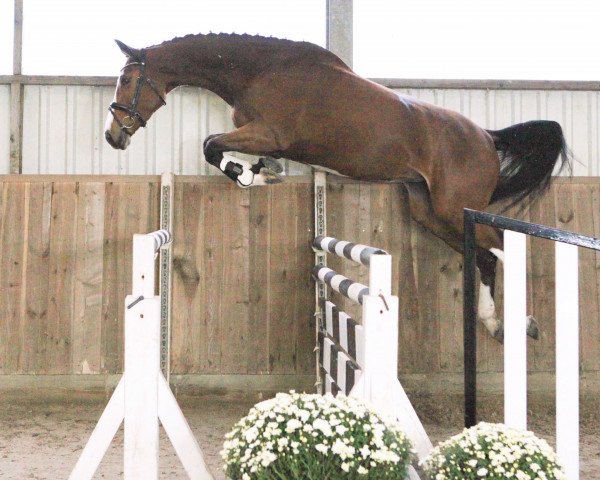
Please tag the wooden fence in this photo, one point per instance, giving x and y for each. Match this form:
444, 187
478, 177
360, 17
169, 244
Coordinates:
243, 293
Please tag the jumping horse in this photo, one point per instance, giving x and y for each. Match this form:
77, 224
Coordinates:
298, 101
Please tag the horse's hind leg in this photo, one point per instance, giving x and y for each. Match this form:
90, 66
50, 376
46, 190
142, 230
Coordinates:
422, 211
464, 190
486, 309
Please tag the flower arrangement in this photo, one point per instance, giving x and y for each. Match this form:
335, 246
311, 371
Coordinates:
308, 436
495, 452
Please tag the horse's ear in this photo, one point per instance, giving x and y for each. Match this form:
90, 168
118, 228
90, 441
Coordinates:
130, 52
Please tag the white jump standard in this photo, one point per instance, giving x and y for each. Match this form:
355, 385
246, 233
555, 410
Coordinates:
515, 337
142, 396
361, 360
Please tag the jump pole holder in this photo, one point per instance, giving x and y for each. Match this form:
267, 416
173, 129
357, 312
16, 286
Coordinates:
143, 396
376, 340
165, 269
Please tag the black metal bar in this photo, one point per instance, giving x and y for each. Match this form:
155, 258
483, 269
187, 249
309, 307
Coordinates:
469, 321
471, 218
533, 229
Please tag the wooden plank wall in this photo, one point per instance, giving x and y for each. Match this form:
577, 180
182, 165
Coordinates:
64, 267
243, 294
428, 274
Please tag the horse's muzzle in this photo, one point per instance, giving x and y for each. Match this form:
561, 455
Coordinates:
121, 143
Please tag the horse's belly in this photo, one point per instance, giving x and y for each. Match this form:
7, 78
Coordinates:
327, 170
371, 169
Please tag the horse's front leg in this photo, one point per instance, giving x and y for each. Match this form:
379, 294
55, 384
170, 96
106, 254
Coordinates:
252, 138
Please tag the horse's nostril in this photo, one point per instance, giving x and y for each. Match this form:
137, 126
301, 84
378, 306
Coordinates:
109, 138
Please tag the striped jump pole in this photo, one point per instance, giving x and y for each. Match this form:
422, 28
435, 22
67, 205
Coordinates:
351, 251
341, 350
143, 396
343, 285
361, 360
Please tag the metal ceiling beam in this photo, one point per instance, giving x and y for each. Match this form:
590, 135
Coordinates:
340, 29
16, 93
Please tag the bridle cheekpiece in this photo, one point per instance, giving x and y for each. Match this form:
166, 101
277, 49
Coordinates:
133, 114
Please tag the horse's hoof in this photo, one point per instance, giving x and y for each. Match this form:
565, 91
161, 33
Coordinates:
270, 176
533, 330
498, 335
272, 164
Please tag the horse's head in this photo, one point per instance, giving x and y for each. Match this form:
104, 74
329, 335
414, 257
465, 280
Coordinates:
139, 94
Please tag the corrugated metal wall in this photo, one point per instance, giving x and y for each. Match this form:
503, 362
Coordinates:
64, 132
5, 129
63, 127
576, 111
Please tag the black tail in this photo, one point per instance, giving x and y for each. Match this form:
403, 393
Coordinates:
528, 154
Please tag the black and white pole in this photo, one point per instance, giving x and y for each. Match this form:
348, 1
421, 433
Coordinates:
355, 291
342, 352
351, 251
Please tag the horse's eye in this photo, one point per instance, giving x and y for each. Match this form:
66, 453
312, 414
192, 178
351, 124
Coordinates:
125, 80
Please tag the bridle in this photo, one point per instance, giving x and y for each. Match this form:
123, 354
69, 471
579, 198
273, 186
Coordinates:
133, 114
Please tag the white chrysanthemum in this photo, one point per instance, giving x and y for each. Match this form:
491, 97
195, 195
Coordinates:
385, 455
251, 434
304, 415
322, 448
323, 426
495, 450
292, 425
340, 448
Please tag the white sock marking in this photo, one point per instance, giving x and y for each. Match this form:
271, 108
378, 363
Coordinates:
486, 309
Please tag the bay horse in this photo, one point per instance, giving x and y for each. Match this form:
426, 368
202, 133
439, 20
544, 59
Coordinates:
299, 101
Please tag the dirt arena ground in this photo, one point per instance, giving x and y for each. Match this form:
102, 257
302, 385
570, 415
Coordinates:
41, 438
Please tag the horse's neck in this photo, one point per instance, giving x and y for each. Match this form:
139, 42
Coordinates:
223, 69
